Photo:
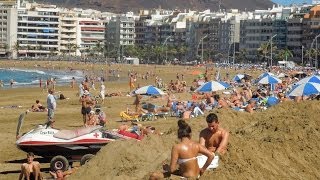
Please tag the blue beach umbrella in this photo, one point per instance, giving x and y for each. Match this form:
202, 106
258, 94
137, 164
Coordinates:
238, 77
149, 90
305, 89
269, 80
312, 79
271, 101
212, 86
265, 74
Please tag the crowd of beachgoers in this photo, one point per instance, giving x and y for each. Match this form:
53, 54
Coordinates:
241, 92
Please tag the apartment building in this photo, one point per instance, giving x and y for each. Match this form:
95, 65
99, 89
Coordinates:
91, 36
8, 28
38, 30
140, 27
294, 37
121, 33
68, 33
311, 31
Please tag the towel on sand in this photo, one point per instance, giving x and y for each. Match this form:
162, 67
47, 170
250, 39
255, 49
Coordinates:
202, 160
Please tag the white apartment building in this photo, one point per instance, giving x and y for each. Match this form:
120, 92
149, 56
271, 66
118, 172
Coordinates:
127, 29
68, 33
8, 28
91, 35
38, 30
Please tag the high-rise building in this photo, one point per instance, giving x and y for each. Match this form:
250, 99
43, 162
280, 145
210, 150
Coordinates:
38, 30
68, 33
8, 28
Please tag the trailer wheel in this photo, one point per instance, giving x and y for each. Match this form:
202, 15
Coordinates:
85, 159
59, 163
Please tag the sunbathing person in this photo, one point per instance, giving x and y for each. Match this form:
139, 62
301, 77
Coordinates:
38, 107
31, 169
185, 155
114, 94
61, 175
250, 107
133, 131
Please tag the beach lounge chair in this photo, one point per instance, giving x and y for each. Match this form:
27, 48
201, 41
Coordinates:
147, 117
127, 117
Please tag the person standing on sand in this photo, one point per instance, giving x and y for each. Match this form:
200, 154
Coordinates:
131, 82
214, 138
52, 105
102, 92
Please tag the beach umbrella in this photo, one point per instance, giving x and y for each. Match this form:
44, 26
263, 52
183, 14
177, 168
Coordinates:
271, 101
281, 75
313, 79
149, 90
265, 74
212, 86
269, 80
305, 89
238, 77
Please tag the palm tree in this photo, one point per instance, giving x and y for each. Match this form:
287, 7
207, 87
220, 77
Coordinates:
284, 54
181, 51
311, 53
242, 56
264, 49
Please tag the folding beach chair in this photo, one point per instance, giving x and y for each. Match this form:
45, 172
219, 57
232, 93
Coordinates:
126, 117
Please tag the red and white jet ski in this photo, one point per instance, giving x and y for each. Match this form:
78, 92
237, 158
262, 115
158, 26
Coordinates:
62, 145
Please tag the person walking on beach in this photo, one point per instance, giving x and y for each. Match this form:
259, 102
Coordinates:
73, 82
102, 92
131, 82
51, 105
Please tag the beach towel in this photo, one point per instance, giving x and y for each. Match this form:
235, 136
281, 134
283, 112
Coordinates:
202, 160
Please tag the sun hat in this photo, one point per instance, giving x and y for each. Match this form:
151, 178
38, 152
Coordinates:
86, 92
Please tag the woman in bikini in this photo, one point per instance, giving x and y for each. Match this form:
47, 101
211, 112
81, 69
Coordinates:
185, 155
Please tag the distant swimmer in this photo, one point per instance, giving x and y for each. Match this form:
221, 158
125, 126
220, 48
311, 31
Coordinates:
11, 82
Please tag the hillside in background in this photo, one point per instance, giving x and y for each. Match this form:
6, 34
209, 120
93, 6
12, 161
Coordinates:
118, 6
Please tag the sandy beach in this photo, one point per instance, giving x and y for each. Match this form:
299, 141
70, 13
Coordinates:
279, 143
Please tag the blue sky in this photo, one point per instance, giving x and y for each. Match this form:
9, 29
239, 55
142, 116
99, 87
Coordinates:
287, 2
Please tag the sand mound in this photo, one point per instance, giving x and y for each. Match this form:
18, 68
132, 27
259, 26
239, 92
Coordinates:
280, 143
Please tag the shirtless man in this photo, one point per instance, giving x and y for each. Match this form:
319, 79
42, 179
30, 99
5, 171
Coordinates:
214, 138
31, 169
87, 105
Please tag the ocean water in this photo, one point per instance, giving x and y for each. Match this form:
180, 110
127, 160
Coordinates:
29, 77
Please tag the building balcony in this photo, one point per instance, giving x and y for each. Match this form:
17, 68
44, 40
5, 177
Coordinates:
68, 25
64, 36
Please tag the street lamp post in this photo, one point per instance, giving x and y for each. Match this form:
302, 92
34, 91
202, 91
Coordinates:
315, 39
202, 47
302, 47
271, 49
165, 43
316, 61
